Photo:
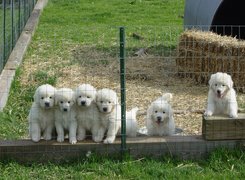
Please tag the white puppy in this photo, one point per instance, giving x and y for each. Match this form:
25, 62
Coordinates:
221, 96
87, 112
110, 116
159, 120
65, 115
131, 122
41, 116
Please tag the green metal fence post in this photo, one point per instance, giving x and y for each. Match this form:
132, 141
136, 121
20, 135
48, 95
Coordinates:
19, 20
25, 11
123, 90
4, 30
12, 24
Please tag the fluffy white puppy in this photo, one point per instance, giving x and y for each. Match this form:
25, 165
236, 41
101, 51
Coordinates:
131, 122
41, 115
87, 112
110, 116
65, 115
221, 96
159, 120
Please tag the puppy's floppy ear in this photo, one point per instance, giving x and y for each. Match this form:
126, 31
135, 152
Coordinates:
76, 91
95, 94
56, 99
116, 100
170, 112
210, 82
150, 112
167, 97
230, 82
73, 96
36, 95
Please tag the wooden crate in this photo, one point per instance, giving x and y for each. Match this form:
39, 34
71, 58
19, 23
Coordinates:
223, 127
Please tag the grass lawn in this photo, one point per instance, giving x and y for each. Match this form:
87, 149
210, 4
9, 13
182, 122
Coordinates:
222, 164
79, 36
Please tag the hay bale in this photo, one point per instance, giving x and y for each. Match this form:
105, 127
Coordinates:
201, 54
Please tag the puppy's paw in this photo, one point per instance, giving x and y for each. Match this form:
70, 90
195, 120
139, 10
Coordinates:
98, 138
60, 139
47, 137
109, 140
73, 141
35, 138
81, 137
234, 115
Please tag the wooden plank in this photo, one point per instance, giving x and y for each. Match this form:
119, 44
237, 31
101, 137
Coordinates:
223, 127
183, 147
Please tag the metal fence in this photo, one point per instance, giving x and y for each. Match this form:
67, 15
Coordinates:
14, 15
154, 60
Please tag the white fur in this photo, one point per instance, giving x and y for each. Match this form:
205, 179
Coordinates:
131, 122
221, 96
110, 114
65, 115
87, 112
159, 120
41, 116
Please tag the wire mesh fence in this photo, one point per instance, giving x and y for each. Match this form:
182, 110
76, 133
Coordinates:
13, 14
158, 60
151, 54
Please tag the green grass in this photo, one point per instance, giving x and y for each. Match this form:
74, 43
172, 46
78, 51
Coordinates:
222, 164
82, 21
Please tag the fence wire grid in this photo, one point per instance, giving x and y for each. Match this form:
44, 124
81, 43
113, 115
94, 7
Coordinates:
13, 17
157, 61
151, 69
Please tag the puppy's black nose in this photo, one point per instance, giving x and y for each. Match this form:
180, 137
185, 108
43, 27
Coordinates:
46, 104
218, 91
159, 118
65, 109
104, 109
83, 103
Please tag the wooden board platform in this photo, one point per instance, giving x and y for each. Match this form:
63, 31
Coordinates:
223, 127
183, 147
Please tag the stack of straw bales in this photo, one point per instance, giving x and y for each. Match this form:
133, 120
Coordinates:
201, 54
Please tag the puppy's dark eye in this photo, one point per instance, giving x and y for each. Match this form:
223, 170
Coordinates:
69, 102
163, 112
50, 97
223, 85
101, 102
42, 97
88, 96
155, 111
109, 102
61, 102
80, 96
216, 84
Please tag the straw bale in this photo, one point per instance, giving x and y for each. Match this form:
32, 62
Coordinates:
202, 53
